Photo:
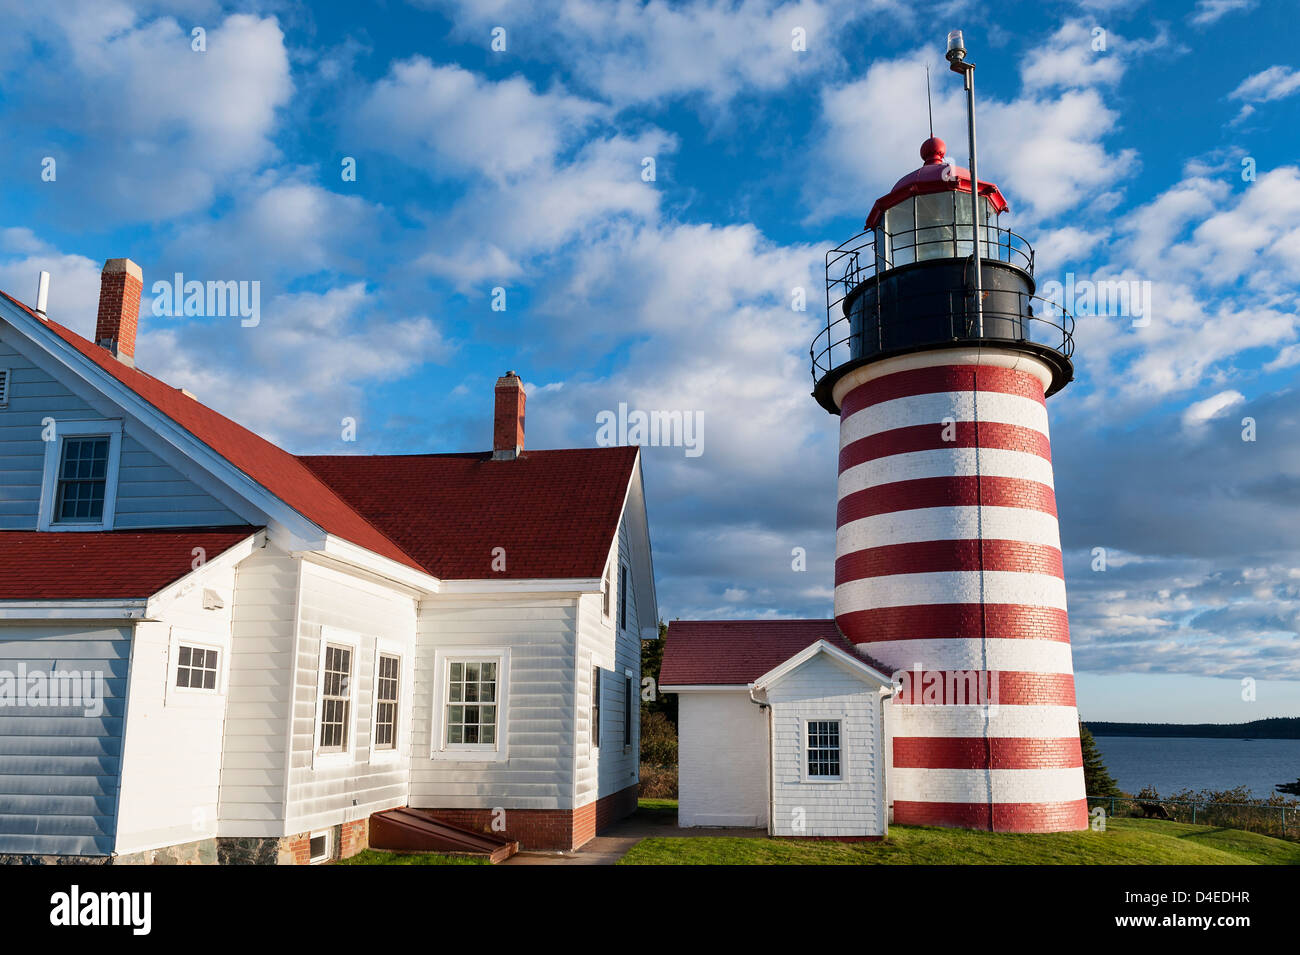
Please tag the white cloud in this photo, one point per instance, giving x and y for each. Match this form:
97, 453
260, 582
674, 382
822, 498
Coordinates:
1216, 406
1276, 82
281, 225
1212, 11
1070, 57
1045, 150
161, 128
74, 279
298, 373
452, 122
627, 51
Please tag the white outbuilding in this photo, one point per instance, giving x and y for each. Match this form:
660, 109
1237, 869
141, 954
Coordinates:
780, 726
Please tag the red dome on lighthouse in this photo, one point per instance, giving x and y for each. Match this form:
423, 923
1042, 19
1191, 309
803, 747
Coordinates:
935, 175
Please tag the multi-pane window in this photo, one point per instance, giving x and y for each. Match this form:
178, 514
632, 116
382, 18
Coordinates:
627, 711
336, 699
824, 748
386, 687
196, 668
604, 593
622, 596
595, 706
472, 703
83, 475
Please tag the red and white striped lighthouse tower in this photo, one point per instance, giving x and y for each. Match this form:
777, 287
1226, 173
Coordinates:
948, 555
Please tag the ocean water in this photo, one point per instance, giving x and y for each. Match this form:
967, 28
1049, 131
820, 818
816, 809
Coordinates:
1175, 764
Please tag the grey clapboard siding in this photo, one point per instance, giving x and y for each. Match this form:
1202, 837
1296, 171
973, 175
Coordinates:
59, 767
150, 493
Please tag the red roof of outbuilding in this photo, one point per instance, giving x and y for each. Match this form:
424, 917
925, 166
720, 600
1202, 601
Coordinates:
554, 513
934, 176
104, 565
726, 652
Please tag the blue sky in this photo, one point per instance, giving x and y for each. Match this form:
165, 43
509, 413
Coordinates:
1119, 132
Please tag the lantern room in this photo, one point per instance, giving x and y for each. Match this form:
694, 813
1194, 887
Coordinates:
908, 281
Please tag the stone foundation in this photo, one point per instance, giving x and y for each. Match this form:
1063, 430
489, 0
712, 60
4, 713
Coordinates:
203, 852
347, 840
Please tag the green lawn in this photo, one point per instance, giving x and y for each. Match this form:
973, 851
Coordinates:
1125, 842
380, 857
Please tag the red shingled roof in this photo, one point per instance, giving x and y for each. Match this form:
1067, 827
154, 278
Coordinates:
554, 512
275, 469
104, 565
724, 652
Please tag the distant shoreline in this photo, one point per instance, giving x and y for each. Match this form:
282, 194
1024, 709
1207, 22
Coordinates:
1275, 728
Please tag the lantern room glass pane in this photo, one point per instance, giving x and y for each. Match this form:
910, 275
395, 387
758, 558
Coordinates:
900, 235
934, 226
990, 236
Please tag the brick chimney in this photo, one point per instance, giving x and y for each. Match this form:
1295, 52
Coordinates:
120, 285
508, 422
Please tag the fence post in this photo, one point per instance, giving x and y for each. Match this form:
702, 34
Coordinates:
1112, 805
1193, 814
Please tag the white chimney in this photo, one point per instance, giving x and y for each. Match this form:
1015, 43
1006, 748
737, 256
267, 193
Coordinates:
42, 293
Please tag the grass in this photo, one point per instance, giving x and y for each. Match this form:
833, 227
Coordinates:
380, 857
1125, 842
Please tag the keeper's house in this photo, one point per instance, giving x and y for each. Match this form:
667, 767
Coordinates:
214, 650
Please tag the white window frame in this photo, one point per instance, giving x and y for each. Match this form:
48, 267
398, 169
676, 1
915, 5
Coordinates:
388, 648
352, 641
596, 701
607, 592
110, 428
439, 748
328, 835
6, 376
191, 695
807, 775
624, 575
631, 706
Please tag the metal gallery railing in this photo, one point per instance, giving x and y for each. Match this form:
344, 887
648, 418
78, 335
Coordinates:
934, 318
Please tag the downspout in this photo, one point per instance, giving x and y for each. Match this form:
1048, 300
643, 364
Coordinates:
770, 785
883, 759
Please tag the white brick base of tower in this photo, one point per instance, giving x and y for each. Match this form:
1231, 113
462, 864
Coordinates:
948, 565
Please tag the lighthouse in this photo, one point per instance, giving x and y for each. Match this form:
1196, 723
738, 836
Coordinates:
938, 362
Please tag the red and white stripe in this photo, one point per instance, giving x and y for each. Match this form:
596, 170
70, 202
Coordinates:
948, 558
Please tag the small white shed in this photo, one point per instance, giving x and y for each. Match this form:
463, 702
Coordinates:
780, 725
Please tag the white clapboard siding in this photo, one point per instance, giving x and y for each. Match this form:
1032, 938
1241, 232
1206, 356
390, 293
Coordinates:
823, 690
325, 791
722, 759
258, 691
539, 729
149, 492
60, 767
171, 769
611, 767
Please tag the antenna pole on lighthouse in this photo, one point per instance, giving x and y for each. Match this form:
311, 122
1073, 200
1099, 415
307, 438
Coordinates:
958, 63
